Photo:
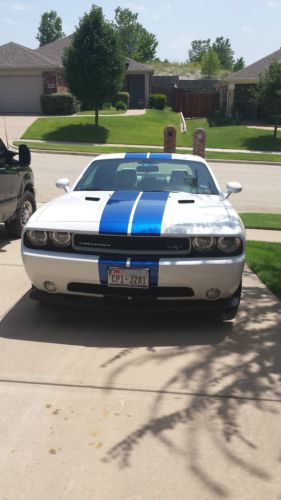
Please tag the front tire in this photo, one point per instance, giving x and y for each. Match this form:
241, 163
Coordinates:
26, 209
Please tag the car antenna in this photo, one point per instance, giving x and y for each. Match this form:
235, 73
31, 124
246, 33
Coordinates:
5, 128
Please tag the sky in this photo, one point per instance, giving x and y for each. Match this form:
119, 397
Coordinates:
253, 26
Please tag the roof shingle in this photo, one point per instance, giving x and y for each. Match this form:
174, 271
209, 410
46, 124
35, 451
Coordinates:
15, 56
253, 71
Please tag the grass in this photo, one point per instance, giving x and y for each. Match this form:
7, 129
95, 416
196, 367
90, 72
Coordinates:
261, 221
255, 157
103, 112
265, 260
148, 129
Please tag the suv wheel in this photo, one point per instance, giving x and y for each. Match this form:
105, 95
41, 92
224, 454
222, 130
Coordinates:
26, 209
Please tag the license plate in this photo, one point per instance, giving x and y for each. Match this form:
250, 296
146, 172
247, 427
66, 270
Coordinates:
129, 278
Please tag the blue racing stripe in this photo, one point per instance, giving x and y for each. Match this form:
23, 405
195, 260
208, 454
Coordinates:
117, 211
136, 156
149, 213
151, 264
105, 263
160, 156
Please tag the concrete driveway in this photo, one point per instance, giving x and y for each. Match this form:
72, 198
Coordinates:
15, 126
111, 406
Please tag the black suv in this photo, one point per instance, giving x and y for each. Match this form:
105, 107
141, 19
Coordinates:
17, 197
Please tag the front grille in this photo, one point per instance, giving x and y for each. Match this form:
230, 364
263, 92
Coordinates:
152, 292
132, 245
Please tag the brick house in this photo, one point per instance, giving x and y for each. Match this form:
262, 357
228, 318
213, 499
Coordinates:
27, 73
240, 83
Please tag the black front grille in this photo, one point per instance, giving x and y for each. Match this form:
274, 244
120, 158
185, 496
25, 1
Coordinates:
132, 245
153, 292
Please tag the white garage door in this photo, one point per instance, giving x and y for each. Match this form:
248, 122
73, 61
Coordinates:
20, 94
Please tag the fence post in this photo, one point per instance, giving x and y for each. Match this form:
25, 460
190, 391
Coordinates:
170, 139
199, 142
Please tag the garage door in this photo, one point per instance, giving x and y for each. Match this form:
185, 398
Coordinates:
20, 94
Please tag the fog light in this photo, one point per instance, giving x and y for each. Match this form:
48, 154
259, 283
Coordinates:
213, 293
50, 286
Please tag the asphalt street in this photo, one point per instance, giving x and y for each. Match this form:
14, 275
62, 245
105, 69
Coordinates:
111, 406
261, 183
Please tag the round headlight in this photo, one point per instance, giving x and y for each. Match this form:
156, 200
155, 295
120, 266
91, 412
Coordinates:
60, 239
37, 238
229, 244
204, 243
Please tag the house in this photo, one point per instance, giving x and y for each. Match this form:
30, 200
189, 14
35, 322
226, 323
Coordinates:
26, 73
240, 83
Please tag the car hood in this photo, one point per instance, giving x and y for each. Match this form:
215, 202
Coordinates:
168, 213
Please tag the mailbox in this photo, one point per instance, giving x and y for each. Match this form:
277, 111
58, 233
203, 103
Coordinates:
170, 139
199, 142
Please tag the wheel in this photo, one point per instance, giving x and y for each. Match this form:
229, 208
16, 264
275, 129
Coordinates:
26, 209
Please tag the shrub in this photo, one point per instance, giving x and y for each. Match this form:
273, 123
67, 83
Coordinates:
123, 96
58, 104
120, 105
158, 101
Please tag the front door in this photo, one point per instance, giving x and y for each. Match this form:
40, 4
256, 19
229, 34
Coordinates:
137, 91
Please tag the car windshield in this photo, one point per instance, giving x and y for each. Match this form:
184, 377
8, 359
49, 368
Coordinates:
147, 175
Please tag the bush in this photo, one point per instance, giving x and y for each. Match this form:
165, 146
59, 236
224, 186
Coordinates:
158, 101
120, 105
123, 96
58, 104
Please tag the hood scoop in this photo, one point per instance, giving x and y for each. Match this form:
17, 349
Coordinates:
185, 201
91, 198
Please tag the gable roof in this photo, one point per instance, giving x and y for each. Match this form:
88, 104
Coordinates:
15, 56
252, 72
55, 50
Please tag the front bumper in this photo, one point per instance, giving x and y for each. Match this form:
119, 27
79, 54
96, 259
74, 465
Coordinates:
195, 275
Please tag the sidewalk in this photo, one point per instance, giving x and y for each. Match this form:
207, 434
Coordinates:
266, 235
149, 147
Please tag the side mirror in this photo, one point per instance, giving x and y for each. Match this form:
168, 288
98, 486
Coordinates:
63, 184
24, 155
232, 187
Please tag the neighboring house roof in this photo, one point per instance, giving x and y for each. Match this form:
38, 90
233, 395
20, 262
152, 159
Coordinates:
251, 74
134, 66
55, 50
15, 56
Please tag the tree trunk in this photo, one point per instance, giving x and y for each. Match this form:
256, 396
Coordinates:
96, 117
276, 128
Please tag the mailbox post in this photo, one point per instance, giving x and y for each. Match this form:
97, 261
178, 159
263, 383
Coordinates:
170, 139
199, 142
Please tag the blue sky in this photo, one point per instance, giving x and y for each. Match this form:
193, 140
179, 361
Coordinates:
253, 26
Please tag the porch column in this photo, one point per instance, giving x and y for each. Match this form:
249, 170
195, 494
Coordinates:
230, 99
146, 89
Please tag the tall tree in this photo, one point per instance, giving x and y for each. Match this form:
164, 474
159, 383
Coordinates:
50, 28
222, 46
210, 63
198, 49
136, 42
268, 94
239, 64
94, 63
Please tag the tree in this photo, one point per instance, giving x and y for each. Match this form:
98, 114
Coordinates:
136, 42
222, 46
50, 28
198, 49
210, 63
268, 94
94, 63
239, 64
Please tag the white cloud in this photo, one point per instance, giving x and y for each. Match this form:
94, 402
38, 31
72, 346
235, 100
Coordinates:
247, 29
273, 3
20, 7
10, 22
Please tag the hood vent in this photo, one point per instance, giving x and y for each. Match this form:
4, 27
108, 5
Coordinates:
90, 198
186, 201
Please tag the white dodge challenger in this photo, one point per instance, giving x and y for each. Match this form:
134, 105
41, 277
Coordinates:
139, 230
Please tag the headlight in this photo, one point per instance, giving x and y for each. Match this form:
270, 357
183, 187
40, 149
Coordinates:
60, 239
229, 244
204, 243
37, 238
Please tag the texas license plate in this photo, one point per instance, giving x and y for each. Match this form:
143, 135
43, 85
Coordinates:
129, 278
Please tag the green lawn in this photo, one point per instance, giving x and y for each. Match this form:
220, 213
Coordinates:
265, 260
147, 129
103, 112
261, 221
